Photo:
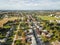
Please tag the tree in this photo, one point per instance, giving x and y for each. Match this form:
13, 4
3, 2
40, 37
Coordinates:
18, 42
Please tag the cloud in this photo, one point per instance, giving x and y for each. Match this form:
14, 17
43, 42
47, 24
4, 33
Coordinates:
29, 4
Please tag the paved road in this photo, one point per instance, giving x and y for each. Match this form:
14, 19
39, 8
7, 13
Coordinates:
33, 40
32, 36
38, 41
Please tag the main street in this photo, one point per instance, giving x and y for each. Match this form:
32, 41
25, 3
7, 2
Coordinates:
38, 40
32, 35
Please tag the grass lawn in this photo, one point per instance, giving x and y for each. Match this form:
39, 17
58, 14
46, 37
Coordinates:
48, 18
7, 26
5, 20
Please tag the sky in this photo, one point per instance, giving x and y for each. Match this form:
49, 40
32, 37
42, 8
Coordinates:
29, 4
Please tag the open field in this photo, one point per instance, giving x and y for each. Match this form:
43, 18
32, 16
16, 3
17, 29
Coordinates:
48, 18
5, 20
12, 18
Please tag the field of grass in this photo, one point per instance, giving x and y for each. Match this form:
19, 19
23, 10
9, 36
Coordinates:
7, 26
48, 18
5, 20
13, 18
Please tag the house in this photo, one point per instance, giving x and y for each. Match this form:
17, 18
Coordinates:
51, 15
58, 21
30, 31
43, 34
51, 21
55, 43
49, 35
57, 16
